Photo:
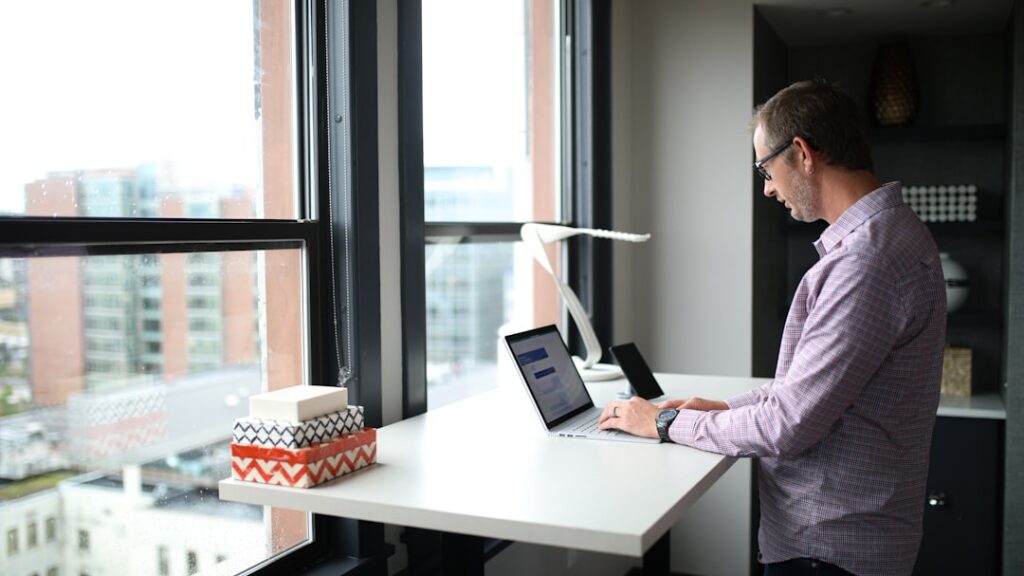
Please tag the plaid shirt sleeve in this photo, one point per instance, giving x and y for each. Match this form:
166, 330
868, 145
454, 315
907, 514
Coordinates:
751, 397
852, 316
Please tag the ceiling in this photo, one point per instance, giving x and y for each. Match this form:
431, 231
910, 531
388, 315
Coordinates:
802, 22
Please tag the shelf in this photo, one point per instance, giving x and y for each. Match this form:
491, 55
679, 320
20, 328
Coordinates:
986, 405
987, 227
989, 317
974, 132
977, 228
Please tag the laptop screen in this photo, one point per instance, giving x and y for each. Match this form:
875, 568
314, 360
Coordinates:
550, 374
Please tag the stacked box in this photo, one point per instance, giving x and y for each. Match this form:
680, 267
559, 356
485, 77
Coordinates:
301, 436
295, 435
298, 403
956, 372
305, 467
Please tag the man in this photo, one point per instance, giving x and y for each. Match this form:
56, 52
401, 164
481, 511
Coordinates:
843, 431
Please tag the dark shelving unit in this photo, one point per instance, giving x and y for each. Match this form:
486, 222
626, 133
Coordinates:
953, 133
961, 135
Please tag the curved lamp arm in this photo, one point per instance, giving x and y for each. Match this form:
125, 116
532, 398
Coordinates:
535, 236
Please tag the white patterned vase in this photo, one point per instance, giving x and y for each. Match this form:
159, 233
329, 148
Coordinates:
956, 282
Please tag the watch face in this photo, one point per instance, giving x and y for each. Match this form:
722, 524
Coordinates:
665, 418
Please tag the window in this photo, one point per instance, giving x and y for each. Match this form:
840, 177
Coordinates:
163, 561
12, 541
513, 142
492, 156
52, 571
191, 562
31, 536
165, 253
51, 529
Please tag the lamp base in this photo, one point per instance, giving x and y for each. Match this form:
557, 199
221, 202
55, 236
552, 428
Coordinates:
597, 372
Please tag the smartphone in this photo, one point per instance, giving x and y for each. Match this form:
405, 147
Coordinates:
636, 370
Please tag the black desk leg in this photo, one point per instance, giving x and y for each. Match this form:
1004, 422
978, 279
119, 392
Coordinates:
657, 559
462, 555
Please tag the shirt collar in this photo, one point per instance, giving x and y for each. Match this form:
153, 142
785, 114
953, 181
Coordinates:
886, 196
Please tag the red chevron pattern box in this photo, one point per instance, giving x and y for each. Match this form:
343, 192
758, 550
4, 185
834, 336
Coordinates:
295, 435
306, 467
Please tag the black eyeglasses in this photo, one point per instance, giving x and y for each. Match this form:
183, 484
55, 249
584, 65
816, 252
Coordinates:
759, 164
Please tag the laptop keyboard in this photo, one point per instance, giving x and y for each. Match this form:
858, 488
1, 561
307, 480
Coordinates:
589, 427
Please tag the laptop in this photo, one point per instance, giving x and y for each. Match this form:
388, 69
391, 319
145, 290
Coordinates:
637, 372
556, 388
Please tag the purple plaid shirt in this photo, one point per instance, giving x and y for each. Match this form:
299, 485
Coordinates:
843, 431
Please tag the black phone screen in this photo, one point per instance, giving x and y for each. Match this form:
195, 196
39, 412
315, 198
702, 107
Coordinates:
636, 370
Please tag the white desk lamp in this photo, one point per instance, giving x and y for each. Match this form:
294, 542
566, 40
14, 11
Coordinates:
536, 236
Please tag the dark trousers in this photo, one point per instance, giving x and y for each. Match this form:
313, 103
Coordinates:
804, 567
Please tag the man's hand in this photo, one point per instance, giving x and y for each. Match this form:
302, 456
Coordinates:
635, 416
694, 403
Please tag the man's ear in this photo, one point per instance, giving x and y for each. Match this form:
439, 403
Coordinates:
808, 157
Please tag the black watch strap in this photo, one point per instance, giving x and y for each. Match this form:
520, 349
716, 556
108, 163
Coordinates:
664, 422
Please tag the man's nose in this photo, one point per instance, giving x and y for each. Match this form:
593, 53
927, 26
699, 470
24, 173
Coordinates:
769, 188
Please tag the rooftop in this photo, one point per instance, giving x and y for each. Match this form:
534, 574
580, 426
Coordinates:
12, 490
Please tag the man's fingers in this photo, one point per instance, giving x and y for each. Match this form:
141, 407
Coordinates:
609, 412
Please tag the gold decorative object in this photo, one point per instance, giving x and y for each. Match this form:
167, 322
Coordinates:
894, 94
956, 371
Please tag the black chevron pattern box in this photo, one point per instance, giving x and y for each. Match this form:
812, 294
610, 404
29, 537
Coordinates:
294, 435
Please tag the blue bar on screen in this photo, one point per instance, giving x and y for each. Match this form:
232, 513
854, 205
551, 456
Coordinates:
532, 356
544, 372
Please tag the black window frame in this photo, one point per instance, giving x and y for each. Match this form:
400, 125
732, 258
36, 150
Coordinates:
336, 545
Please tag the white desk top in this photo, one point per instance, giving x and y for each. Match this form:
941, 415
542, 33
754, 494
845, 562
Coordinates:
485, 466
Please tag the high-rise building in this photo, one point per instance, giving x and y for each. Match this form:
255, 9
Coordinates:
110, 318
466, 284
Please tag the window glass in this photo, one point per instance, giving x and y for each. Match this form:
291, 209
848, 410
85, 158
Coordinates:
491, 101
475, 293
491, 142
116, 410
147, 109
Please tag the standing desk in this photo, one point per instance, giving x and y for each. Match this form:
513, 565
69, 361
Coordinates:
484, 467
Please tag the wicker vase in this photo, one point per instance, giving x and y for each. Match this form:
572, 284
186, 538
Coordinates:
894, 92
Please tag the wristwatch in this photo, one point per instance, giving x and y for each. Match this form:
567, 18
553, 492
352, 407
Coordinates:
664, 421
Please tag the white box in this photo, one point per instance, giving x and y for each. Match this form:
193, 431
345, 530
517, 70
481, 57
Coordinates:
298, 403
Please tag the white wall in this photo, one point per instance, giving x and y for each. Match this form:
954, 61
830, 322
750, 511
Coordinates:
682, 97
682, 74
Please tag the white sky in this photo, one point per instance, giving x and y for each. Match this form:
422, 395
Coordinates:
114, 83
474, 82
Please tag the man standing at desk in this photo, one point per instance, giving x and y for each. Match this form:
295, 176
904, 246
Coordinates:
843, 431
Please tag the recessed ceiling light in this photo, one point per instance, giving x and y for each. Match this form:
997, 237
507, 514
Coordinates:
936, 3
835, 12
